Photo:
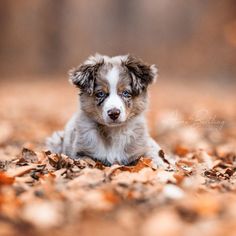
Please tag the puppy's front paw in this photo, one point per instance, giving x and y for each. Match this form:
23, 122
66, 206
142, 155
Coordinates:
157, 155
161, 160
159, 163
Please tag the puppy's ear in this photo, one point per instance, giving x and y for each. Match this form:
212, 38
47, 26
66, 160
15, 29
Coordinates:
141, 74
84, 75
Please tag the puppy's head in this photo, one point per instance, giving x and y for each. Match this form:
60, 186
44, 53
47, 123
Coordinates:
113, 89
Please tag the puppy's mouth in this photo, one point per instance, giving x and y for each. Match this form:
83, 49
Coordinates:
110, 123
114, 123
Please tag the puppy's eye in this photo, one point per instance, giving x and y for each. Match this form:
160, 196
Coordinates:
100, 94
126, 94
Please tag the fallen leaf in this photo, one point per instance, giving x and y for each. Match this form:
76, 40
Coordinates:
143, 162
21, 170
60, 161
181, 150
27, 156
6, 179
88, 177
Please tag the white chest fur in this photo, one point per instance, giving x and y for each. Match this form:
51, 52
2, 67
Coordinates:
115, 147
115, 150
112, 151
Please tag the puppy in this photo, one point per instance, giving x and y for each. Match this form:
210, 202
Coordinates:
110, 126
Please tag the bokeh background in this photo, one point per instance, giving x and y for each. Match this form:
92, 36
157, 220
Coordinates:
192, 40
193, 45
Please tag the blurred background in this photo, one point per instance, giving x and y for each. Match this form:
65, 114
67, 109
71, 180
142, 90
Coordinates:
189, 40
193, 44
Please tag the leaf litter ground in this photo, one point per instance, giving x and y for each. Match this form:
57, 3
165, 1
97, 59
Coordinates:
42, 193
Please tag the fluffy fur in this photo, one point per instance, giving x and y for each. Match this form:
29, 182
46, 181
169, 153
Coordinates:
110, 125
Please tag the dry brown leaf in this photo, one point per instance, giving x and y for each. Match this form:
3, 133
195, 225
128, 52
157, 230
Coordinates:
181, 150
145, 175
21, 170
85, 162
205, 158
110, 196
27, 156
179, 176
88, 177
143, 162
96, 200
6, 179
60, 161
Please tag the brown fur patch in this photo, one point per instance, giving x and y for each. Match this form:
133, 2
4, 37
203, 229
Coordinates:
141, 74
84, 76
139, 104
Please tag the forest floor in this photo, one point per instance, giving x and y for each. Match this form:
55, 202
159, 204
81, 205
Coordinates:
40, 192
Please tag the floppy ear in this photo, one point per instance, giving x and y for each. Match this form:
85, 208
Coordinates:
141, 74
84, 76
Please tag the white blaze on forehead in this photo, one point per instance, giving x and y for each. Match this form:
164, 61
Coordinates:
113, 78
114, 100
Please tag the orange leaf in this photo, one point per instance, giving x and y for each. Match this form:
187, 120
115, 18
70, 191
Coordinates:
5, 179
181, 150
142, 163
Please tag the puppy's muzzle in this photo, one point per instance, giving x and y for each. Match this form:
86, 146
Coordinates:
113, 113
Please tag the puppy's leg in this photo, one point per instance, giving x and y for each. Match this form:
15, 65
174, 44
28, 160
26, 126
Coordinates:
153, 152
55, 142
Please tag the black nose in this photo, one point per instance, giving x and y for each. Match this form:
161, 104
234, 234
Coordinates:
113, 113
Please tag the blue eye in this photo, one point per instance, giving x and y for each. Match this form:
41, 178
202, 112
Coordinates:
126, 94
100, 94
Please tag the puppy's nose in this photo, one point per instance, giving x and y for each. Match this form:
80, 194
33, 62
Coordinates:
113, 113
